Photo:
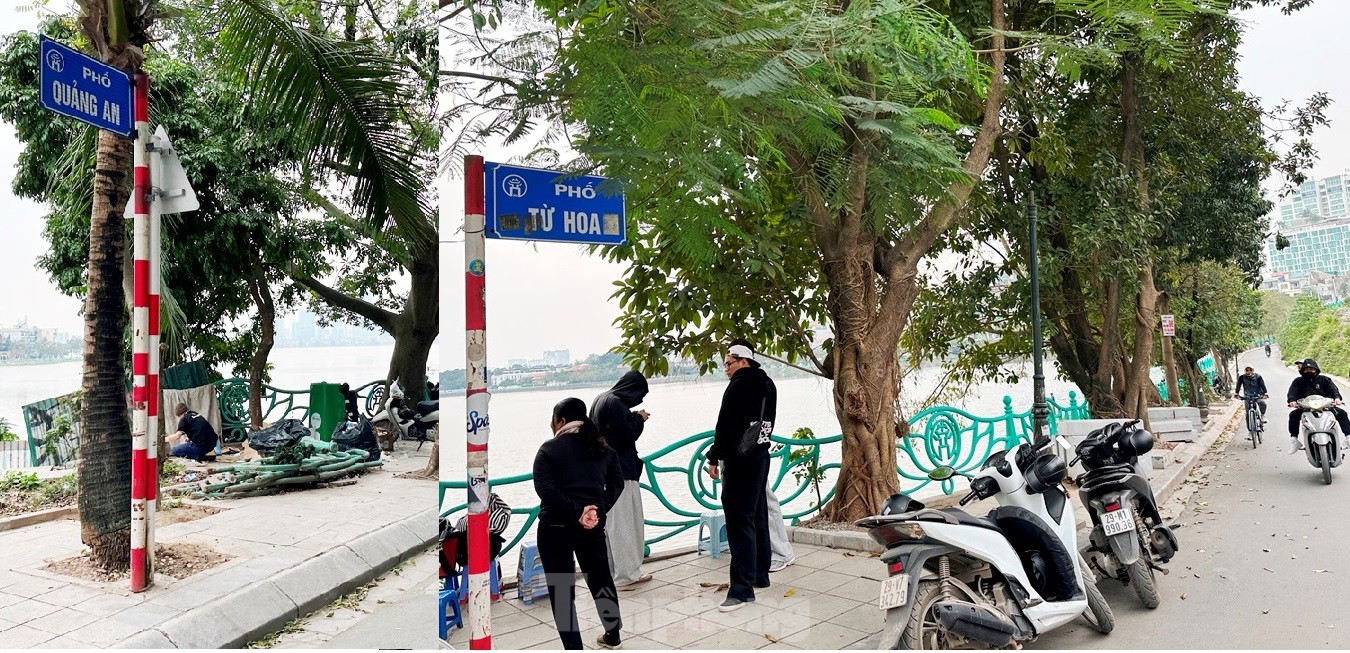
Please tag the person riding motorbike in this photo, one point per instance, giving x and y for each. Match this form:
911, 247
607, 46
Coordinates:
1267, 350
1310, 382
1254, 386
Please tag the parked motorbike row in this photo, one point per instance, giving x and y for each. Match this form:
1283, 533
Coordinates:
399, 419
961, 581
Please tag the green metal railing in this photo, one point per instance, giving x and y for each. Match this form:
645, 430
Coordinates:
232, 396
682, 491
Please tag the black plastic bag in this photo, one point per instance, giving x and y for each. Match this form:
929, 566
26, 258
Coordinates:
287, 431
357, 435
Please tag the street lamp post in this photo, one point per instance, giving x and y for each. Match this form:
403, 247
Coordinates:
1039, 410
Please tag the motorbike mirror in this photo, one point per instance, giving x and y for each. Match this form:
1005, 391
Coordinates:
942, 473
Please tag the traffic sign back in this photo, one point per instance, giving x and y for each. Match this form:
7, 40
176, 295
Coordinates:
86, 89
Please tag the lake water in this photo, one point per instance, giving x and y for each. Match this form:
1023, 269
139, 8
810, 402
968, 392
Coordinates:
293, 369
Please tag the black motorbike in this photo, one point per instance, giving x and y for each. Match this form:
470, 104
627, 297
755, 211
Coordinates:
1129, 539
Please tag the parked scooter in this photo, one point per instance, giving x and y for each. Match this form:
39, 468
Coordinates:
957, 580
1321, 434
407, 422
1129, 538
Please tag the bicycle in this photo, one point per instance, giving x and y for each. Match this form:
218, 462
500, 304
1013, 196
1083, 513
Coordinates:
1255, 422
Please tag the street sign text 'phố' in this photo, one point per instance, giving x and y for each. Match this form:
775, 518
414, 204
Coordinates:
532, 204
86, 89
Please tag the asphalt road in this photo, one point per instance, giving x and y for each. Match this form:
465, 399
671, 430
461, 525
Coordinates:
1263, 560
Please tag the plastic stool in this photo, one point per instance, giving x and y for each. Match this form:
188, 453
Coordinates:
530, 580
716, 541
494, 582
449, 600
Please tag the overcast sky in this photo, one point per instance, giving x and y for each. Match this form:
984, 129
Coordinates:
552, 296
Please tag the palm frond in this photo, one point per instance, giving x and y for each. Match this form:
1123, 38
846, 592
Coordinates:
345, 101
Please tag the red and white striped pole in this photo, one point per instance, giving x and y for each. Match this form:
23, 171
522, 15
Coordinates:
141, 482
476, 397
155, 397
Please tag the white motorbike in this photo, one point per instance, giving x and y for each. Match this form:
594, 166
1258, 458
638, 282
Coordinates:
1320, 434
401, 421
960, 581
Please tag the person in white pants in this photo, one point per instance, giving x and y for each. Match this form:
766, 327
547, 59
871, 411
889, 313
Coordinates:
778, 536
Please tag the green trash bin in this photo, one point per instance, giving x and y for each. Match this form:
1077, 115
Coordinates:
325, 401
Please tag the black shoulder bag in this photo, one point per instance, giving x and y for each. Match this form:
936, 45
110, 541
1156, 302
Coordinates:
756, 434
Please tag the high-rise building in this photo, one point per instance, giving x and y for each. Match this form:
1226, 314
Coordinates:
1317, 200
557, 357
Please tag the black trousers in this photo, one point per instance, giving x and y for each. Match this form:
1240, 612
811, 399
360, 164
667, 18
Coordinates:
558, 545
1297, 413
747, 510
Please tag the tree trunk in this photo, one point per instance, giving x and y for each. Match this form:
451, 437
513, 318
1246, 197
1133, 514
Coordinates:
865, 390
257, 365
105, 420
1145, 316
1169, 360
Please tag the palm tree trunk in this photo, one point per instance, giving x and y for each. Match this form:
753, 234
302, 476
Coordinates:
105, 423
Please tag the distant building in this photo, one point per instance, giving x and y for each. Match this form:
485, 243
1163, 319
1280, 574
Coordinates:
557, 357
517, 362
1317, 200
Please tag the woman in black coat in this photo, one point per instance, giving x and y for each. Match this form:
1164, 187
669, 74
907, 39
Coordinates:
577, 478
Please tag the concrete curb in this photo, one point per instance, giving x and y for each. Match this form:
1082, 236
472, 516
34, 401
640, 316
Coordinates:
262, 608
39, 517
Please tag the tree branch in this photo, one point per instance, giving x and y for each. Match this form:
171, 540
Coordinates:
381, 317
391, 246
941, 216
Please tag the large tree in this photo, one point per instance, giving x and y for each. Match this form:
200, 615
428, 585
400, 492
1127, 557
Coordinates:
786, 164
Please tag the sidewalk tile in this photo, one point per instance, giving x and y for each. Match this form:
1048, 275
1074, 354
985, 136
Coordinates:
825, 581
647, 620
28, 610
145, 615
33, 587
107, 604
864, 590
526, 637
25, 637
822, 607
103, 633
733, 640
64, 642
684, 632
825, 636
866, 618
7, 600
640, 643
62, 621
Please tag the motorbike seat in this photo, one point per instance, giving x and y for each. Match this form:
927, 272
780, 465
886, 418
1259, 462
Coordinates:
946, 516
1048, 563
968, 519
427, 407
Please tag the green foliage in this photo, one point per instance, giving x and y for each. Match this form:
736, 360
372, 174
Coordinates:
290, 454
1275, 310
807, 461
17, 480
1315, 331
171, 469
60, 430
745, 130
7, 433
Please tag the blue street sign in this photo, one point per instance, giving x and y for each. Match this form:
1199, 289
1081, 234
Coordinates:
86, 89
533, 204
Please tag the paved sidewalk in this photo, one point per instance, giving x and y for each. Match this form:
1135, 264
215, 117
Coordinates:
293, 553
826, 600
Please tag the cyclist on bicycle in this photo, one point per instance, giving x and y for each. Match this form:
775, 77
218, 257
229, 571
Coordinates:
1255, 388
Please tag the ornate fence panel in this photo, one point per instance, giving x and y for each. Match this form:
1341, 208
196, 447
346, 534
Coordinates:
802, 471
278, 404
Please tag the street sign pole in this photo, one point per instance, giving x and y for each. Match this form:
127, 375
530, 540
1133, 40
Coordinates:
154, 396
476, 398
142, 548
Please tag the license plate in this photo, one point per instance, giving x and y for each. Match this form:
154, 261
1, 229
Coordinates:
1120, 521
894, 592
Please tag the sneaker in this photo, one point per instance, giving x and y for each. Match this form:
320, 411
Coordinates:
603, 641
1295, 446
780, 566
731, 605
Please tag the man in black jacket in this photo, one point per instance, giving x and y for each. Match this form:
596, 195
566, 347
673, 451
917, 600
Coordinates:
1310, 382
621, 426
750, 397
1250, 384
